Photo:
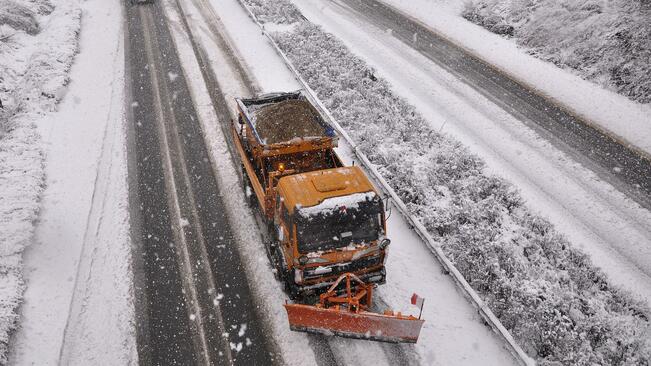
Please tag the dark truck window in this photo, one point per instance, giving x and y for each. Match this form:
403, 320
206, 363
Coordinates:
339, 227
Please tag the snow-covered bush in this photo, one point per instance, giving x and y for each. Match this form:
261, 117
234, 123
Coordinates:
608, 42
277, 12
4, 122
7, 123
21, 16
558, 306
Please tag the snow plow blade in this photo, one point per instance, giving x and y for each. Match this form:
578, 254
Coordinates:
346, 315
362, 325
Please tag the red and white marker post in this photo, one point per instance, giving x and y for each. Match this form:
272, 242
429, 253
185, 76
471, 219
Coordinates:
418, 301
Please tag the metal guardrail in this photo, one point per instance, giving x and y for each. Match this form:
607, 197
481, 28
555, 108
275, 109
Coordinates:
418, 227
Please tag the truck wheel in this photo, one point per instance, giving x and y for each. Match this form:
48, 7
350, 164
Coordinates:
285, 282
278, 263
270, 249
292, 291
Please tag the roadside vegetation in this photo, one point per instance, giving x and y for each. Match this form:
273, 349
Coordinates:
607, 42
548, 294
34, 64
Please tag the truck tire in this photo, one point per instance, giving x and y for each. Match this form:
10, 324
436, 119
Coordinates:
270, 248
292, 290
279, 264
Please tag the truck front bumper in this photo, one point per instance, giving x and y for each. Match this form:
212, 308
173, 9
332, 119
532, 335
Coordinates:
378, 277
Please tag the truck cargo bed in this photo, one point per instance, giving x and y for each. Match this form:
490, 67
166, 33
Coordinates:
284, 118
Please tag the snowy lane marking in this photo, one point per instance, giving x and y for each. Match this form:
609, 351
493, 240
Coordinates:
237, 289
195, 183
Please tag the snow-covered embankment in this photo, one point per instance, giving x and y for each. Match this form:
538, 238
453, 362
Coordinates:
605, 42
38, 41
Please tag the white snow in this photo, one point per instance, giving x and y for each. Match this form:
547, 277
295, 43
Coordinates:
78, 303
350, 201
604, 42
606, 110
270, 75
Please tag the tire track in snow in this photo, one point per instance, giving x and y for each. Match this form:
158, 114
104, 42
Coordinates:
84, 288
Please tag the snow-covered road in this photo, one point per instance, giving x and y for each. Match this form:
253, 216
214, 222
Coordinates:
78, 303
592, 214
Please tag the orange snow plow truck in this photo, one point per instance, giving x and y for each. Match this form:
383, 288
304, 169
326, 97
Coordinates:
326, 221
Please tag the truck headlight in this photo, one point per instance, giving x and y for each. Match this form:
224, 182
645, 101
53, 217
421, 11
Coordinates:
384, 243
298, 276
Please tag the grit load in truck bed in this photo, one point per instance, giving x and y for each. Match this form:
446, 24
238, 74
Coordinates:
327, 221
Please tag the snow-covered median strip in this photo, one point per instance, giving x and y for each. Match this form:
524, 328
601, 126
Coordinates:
557, 305
36, 52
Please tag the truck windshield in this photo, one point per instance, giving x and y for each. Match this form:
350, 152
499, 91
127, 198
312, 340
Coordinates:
339, 228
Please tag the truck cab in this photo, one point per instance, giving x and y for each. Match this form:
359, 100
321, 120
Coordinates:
326, 219
330, 222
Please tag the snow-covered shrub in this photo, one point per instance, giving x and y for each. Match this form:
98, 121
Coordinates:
608, 42
4, 121
22, 16
558, 306
275, 12
7, 122
19, 17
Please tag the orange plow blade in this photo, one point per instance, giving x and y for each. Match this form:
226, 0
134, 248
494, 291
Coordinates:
362, 325
343, 311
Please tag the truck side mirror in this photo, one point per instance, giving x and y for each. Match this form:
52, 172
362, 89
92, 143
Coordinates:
281, 233
387, 206
384, 243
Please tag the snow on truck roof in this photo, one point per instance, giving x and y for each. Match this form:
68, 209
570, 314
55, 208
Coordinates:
283, 117
321, 189
350, 201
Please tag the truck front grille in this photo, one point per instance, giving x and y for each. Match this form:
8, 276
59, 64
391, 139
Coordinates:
338, 269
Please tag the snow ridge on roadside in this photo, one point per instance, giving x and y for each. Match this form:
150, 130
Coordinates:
34, 75
548, 294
